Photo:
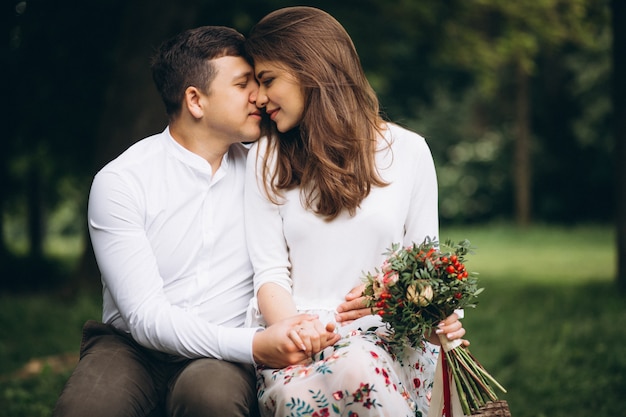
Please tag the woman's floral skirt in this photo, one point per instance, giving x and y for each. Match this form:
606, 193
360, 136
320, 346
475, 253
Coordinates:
359, 376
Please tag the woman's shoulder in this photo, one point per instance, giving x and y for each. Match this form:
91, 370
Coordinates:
256, 154
402, 138
258, 148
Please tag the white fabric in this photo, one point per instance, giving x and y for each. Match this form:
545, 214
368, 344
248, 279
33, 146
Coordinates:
169, 241
325, 260
437, 402
320, 262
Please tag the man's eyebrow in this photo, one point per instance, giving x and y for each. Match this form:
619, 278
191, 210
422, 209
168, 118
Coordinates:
246, 74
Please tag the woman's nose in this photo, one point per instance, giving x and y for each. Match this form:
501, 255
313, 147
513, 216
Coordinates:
261, 99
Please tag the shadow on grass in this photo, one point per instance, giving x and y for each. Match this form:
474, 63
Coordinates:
39, 341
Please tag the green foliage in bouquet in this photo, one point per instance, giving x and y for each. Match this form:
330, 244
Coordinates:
419, 286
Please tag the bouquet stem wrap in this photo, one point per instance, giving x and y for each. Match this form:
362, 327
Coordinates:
445, 396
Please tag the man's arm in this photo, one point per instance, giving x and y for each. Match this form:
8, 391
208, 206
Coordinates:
127, 260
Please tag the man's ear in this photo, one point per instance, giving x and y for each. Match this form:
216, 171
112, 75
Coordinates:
193, 102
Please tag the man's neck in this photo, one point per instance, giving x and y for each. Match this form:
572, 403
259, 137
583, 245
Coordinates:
199, 142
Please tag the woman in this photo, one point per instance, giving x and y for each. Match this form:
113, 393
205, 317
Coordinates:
331, 187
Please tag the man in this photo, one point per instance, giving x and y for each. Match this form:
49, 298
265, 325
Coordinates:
166, 223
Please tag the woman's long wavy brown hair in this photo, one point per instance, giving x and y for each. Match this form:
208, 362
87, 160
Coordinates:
330, 155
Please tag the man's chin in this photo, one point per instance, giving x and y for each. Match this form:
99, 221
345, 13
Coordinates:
247, 139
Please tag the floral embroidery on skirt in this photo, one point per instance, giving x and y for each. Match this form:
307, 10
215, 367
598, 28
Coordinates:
359, 376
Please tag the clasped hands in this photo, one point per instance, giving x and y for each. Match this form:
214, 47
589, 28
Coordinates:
294, 340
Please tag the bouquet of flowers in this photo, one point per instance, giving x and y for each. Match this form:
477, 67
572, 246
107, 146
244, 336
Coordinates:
415, 289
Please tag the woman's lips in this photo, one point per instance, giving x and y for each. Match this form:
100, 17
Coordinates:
272, 113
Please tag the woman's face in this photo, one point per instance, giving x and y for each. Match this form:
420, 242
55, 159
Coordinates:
280, 94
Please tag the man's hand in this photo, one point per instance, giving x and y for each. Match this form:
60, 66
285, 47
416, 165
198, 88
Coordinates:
274, 347
354, 308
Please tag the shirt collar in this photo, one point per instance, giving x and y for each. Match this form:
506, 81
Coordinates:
189, 158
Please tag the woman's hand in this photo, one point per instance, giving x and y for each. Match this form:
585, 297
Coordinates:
274, 347
311, 336
354, 308
452, 328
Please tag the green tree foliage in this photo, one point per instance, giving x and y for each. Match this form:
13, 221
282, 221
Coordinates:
472, 77
529, 70
508, 48
55, 70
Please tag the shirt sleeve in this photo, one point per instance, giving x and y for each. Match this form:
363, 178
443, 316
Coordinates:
268, 249
130, 272
423, 218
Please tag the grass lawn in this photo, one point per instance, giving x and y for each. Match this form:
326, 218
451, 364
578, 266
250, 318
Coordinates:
549, 325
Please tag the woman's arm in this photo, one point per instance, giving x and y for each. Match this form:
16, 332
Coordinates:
270, 258
275, 303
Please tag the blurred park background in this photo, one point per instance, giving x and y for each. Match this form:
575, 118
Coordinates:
522, 103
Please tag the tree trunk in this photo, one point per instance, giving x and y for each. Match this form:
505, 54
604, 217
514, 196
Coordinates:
133, 108
618, 8
35, 212
522, 168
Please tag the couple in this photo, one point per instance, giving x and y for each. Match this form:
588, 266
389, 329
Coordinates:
183, 220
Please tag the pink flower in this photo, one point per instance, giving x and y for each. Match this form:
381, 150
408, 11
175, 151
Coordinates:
390, 278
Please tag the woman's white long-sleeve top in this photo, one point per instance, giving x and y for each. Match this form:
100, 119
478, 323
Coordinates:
318, 261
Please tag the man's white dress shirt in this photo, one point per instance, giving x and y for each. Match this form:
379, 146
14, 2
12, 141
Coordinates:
170, 244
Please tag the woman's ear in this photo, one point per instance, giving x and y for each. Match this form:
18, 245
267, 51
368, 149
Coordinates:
193, 102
